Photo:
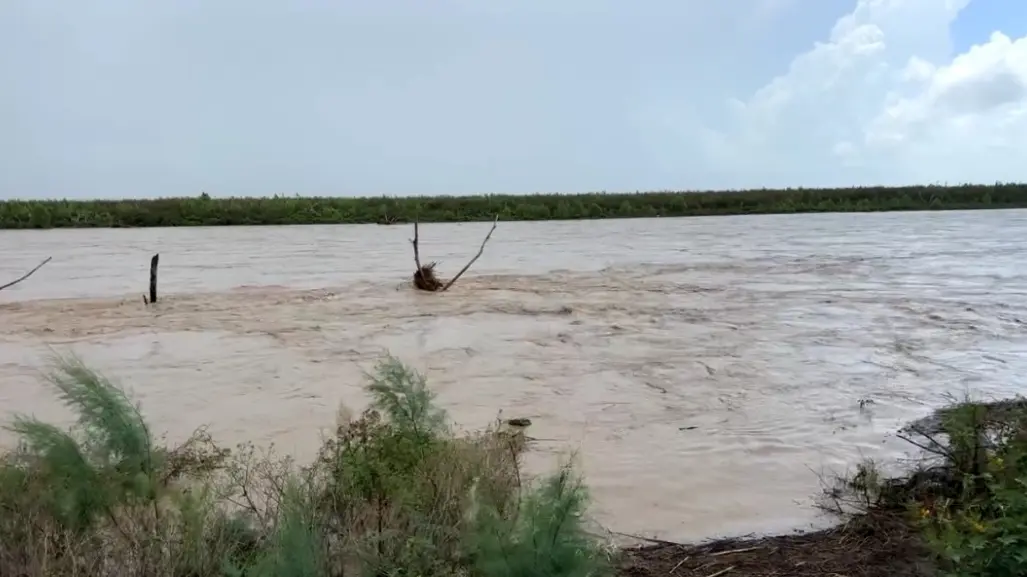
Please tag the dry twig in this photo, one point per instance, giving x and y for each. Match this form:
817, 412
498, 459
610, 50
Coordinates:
481, 249
734, 551
721, 572
26, 275
652, 540
680, 563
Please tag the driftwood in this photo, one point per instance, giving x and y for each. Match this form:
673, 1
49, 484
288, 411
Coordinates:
424, 275
154, 261
26, 275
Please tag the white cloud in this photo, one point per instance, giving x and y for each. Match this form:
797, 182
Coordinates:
884, 100
501, 96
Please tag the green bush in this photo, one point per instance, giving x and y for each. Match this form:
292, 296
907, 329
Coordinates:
981, 528
393, 492
544, 539
967, 499
988, 539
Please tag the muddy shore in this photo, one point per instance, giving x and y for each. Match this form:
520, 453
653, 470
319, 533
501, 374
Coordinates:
882, 545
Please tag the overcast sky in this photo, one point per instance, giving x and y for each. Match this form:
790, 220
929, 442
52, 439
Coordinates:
137, 98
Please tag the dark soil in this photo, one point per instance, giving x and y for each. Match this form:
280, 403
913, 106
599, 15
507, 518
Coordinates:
877, 545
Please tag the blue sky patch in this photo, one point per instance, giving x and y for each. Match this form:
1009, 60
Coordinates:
982, 17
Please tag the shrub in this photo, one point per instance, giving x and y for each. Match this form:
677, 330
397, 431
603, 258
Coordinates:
967, 497
981, 530
545, 538
394, 492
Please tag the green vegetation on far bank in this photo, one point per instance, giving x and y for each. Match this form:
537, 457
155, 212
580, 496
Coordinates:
396, 492
203, 210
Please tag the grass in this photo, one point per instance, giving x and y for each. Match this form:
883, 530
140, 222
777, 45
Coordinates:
203, 210
394, 492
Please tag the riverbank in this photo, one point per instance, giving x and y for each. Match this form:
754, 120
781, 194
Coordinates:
881, 544
961, 510
394, 491
285, 210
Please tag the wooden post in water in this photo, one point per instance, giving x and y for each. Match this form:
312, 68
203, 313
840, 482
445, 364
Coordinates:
153, 278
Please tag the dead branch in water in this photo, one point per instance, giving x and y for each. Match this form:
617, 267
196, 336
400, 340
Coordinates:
481, 249
153, 280
424, 275
26, 275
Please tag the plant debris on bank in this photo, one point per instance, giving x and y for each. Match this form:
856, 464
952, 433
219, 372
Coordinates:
396, 493
883, 546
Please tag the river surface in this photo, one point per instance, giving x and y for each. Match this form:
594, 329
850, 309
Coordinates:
706, 371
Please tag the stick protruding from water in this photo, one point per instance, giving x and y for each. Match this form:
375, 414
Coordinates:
26, 275
154, 261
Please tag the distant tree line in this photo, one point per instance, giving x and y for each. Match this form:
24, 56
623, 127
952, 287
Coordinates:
206, 211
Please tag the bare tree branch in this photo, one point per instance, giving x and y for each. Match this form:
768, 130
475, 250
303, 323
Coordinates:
476, 257
417, 254
26, 275
424, 276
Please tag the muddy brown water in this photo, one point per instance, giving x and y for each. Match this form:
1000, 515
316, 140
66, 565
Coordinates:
705, 371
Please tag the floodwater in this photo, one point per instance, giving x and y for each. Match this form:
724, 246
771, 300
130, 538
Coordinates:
705, 371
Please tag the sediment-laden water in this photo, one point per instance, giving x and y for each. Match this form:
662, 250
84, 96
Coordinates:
706, 371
